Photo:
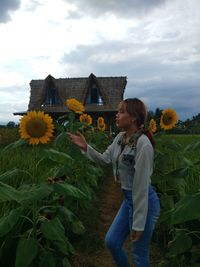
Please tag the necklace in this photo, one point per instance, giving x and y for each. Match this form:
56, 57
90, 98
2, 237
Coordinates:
130, 142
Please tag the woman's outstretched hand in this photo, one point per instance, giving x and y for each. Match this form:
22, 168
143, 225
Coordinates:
79, 140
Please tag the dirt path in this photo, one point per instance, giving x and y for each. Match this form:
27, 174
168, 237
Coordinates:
110, 200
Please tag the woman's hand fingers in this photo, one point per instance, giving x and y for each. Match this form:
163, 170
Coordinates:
79, 140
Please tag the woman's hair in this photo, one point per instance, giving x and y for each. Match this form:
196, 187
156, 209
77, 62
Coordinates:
136, 108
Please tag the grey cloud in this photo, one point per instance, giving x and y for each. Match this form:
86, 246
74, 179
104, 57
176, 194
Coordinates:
120, 8
6, 6
180, 94
149, 77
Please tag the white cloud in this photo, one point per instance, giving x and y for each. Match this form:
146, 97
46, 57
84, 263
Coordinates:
154, 43
13, 99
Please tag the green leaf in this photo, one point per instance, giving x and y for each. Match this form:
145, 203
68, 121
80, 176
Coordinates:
172, 144
188, 162
180, 244
167, 201
16, 144
47, 260
78, 228
63, 118
66, 263
54, 231
71, 116
57, 156
35, 192
61, 138
196, 146
66, 213
8, 193
69, 190
177, 173
8, 222
188, 148
93, 180
76, 126
87, 190
187, 209
192, 147
10, 175
96, 170
26, 252
25, 194
60, 171
161, 160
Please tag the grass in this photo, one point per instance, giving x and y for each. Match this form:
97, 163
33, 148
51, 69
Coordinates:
185, 159
183, 139
23, 158
8, 135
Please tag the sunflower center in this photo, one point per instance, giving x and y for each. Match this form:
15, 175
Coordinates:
36, 127
167, 120
101, 125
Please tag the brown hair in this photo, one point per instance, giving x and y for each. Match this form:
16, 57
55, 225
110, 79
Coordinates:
135, 107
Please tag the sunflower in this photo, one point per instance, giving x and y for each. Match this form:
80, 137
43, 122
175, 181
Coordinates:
100, 120
75, 105
101, 126
85, 118
168, 119
152, 126
37, 127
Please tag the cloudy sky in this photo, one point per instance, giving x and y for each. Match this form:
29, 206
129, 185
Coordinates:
155, 43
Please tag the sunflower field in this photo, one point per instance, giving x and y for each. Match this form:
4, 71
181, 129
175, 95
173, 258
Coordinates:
43, 195
47, 187
176, 178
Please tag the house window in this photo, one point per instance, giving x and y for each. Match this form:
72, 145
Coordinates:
51, 98
93, 95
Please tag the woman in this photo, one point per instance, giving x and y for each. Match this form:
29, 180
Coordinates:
131, 155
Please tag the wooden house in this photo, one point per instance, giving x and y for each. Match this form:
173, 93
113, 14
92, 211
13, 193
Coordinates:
99, 95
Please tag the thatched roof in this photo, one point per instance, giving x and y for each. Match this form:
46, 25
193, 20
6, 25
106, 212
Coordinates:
111, 90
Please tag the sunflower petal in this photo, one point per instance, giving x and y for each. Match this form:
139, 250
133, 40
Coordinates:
37, 127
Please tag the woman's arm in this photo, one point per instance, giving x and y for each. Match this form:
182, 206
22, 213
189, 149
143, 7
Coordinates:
102, 158
141, 181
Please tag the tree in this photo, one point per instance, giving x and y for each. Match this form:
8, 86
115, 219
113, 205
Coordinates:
11, 124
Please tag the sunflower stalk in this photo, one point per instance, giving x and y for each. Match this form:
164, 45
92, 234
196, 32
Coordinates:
71, 120
35, 181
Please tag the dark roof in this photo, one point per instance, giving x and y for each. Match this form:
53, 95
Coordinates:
111, 89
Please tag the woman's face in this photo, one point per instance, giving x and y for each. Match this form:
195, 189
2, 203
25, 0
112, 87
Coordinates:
123, 119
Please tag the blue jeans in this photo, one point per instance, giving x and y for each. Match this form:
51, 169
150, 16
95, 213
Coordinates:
120, 229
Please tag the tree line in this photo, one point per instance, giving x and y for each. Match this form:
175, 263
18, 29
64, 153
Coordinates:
189, 126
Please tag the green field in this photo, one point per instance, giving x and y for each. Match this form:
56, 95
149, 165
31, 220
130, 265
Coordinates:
176, 178
183, 139
22, 158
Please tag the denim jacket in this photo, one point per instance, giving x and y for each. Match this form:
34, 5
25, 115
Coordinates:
132, 167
